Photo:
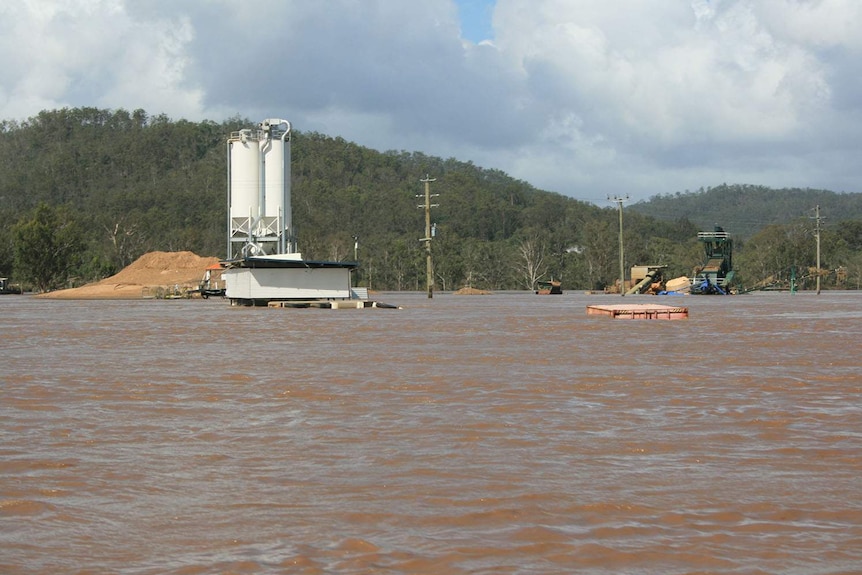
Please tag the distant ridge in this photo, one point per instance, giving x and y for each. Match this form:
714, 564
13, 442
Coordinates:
745, 209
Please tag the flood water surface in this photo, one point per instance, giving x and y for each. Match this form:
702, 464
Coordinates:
509, 433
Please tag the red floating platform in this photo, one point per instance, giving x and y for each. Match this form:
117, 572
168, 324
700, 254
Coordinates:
639, 311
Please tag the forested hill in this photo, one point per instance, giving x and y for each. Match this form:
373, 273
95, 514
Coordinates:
85, 191
746, 209
124, 184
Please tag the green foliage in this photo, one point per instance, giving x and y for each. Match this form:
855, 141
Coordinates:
746, 209
130, 183
48, 246
774, 250
133, 183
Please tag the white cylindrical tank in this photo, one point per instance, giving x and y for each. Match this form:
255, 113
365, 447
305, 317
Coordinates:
244, 175
274, 177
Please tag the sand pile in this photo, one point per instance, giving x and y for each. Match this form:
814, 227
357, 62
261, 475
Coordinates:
147, 275
471, 291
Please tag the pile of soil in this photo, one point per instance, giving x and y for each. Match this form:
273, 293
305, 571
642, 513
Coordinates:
147, 275
471, 291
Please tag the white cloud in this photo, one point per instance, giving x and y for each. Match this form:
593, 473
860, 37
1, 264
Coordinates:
582, 97
92, 53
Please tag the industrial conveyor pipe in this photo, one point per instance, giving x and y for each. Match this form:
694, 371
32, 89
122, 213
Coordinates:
652, 273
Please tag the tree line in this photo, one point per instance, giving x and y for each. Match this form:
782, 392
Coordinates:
749, 208
86, 191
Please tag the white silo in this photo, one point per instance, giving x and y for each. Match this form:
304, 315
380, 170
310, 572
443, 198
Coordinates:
263, 264
275, 151
259, 190
244, 184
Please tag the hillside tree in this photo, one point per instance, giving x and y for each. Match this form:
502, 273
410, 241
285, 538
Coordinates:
48, 247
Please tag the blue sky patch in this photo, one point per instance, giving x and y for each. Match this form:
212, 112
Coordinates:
476, 19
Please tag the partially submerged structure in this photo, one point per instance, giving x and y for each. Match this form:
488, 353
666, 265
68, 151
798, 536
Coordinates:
549, 287
263, 264
211, 284
646, 279
7, 288
638, 311
715, 276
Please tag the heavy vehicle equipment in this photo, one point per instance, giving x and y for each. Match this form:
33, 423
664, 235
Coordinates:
715, 276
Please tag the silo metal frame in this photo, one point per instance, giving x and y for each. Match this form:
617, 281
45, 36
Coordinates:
265, 230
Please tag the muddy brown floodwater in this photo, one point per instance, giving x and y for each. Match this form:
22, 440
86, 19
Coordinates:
508, 433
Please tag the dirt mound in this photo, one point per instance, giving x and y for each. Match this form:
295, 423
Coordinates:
471, 291
144, 276
163, 268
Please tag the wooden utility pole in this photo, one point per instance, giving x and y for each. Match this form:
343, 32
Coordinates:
817, 235
356, 259
619, 201
429, 268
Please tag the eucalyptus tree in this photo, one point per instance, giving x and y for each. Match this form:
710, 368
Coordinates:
48, 247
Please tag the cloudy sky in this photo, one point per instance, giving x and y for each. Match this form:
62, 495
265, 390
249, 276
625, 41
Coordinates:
587, 98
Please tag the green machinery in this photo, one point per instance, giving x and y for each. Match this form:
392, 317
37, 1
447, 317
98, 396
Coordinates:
715, 276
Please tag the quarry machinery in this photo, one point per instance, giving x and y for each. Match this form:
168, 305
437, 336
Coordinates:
646, 279
715, 276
